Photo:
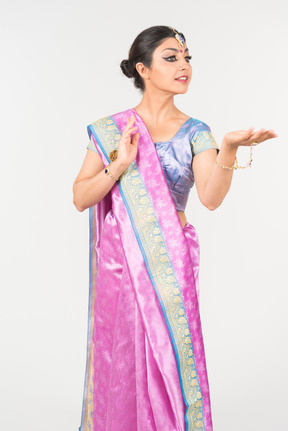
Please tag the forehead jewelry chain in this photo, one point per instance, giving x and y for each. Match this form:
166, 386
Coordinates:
180, 39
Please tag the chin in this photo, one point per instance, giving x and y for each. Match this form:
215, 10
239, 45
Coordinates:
183, 91
172, 90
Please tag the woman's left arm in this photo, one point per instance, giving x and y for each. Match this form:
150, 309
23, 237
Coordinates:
213, 181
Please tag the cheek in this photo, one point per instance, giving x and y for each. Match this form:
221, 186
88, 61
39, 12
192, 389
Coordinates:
165, 72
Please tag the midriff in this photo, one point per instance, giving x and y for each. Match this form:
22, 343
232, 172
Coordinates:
182, 218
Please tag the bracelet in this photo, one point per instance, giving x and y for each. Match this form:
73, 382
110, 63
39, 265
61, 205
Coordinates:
107, 172
113, 156
236, 166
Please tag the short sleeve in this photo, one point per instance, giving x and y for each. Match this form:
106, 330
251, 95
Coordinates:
203, 140
91, 146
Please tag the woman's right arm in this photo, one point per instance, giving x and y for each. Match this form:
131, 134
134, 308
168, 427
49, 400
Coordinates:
92, 184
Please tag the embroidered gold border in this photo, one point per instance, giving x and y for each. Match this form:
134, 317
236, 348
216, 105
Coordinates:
161, 269
88, 407
203, 140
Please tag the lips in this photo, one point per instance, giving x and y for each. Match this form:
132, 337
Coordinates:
182, 76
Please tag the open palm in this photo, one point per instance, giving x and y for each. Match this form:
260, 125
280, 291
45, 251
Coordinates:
247, 137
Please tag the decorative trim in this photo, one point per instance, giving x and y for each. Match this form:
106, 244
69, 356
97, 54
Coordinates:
161, 272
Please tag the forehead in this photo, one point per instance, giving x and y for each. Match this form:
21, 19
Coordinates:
170, 42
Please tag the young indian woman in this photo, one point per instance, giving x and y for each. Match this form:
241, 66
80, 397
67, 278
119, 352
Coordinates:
146, 367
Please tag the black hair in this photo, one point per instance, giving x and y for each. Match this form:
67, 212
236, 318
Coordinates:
142, 51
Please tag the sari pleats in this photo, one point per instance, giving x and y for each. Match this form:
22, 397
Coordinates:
162, 409
132, 386
145, 417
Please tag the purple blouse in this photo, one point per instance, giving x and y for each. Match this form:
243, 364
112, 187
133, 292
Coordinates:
176, 157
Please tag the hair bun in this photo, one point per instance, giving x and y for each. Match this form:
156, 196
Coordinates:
126, 68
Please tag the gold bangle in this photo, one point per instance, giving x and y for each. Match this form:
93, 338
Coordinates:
107, 172
228, 167
236, 166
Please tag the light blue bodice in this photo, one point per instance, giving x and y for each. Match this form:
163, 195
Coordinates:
176, 157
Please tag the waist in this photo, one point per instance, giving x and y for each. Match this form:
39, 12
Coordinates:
182, 218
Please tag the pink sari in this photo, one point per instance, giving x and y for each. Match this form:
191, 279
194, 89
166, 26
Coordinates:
146, 368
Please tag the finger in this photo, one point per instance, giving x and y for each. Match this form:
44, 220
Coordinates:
268, 134
257, 135
262, 135
128, 132
129, 121
135, 139
249, 132
128, 129
265, 132
132, 119
271, 133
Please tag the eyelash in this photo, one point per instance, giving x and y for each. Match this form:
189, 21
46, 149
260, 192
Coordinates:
171, 56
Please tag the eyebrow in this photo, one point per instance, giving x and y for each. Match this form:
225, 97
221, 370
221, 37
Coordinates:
173, 49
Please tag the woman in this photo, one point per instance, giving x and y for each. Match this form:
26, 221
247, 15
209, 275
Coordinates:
146, 365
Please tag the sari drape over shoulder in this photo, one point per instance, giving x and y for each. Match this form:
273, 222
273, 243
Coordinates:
146, 368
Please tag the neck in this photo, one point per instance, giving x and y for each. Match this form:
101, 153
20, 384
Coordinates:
156, 108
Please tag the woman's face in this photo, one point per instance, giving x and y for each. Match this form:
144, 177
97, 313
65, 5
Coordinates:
169, 62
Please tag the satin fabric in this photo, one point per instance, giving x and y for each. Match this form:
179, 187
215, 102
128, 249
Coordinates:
176, 157
176, 160
137, 374
131, 391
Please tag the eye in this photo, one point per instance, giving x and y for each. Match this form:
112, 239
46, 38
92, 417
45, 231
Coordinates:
169, 58
188, 58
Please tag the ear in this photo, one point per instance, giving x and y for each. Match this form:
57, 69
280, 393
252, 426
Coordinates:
142, 70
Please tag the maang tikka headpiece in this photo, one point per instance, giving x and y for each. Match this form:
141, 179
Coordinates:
180, 39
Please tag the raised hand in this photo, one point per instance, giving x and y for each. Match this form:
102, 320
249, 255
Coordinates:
127, 147
247, 137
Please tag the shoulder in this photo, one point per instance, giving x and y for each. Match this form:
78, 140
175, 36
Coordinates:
109, 120
101, 121
198, 126
201, 137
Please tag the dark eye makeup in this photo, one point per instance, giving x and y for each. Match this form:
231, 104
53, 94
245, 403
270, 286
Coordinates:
189, 57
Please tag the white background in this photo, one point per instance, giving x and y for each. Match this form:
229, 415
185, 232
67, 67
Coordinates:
60, 72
